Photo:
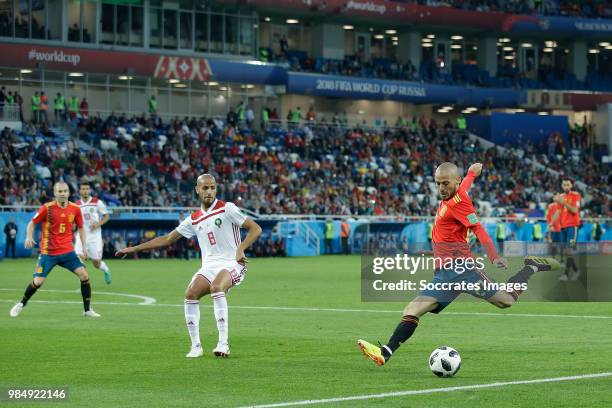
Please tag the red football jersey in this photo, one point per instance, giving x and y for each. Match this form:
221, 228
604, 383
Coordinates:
567, 218
453, 219
554, 208
57, 227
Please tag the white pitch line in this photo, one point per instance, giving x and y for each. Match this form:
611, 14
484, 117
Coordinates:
315, 309
431, 391
146, 300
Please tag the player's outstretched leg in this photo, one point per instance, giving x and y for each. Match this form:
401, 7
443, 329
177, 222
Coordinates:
197, 288
404, 330
218, 289
29, 292
542, 263
533, 264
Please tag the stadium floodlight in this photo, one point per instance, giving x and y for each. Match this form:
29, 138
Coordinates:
267, 19
504, 40
212, 83
395, 43
547, 49
593, 51
456, 37
431, 36
75, 74
519, 110
247, 86
26, 71
379, 36
456, 46
526, 45
390, 32
441, 110
427, 45
604, 44
348, 27
426, 40
292, 21
125, 77
223, 88
395, 38
609, 47
550, 44
179, 85
173, 81
509, 57
543, 113
508, 49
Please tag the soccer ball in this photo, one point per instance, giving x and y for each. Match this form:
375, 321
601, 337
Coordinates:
445, 361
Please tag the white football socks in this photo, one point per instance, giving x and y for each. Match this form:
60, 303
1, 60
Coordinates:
220, 306
192, 319
103, 267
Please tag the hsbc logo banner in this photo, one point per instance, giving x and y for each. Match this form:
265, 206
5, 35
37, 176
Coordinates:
182, 68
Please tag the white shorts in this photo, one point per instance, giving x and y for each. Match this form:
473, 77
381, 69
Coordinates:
94, 248
211, 269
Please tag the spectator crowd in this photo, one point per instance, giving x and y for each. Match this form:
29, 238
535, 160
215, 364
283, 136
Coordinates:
311, 168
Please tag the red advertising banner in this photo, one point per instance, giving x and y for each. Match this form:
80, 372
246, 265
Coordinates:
113, 62
405, 13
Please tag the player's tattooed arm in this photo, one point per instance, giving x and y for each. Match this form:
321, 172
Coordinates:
558, 198
159, 242
254, 231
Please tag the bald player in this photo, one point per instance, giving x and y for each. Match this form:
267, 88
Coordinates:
455, 217
217, 227
57, 218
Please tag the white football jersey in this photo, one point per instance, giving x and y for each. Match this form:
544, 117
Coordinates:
92, 210
218, 230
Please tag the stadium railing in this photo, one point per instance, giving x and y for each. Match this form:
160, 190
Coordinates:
9, 113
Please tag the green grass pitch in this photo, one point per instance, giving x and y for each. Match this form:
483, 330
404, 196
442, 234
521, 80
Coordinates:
134, 356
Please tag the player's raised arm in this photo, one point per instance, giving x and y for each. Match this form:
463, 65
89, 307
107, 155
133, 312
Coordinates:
473, 172
254, 231
159, 242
